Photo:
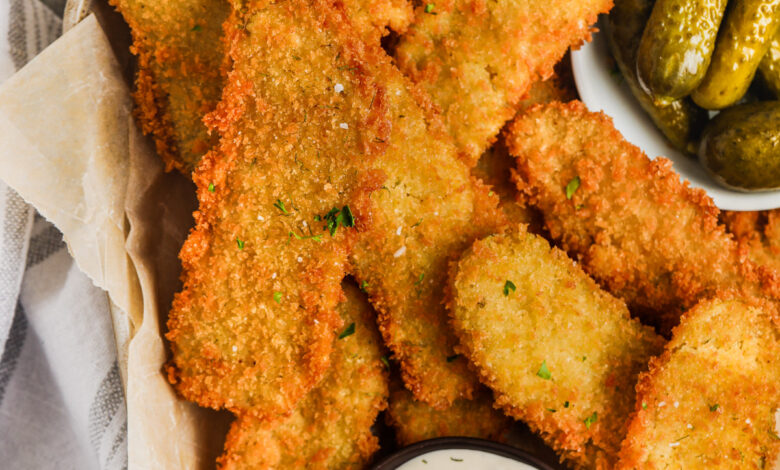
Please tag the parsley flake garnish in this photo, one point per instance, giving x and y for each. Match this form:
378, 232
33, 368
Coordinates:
551, 410
591, 419
509, 286
544, 372
572, 187
336, 218
211, 187
240, 243
429, 8
316, 238
350, 330
644, 405
566, 404
363, 285
424, 461
453, 357
385, 361
714, 407
278, 297
456, 460
197, 27
279, 204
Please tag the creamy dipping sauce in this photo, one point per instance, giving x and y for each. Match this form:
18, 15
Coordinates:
462, 459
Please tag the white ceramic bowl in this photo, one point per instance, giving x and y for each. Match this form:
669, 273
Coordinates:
601, 90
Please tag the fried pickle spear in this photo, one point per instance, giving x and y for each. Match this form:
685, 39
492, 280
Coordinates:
709, 401
331, 427
559, 353
317, 137
415, 421
181, 65
635, 227
477, 59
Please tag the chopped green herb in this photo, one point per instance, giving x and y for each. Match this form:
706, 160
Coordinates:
456, 460
336, 218
296, 57
591, 419
211, 187
350, 330
579, 206
551, 410
385, 361
572, 187
714, 407
584, 358
363, 286
316, 238
566, 404
424, 461
197, 27
240, 244
544, 372
453, 357
644, 405
429, 8
280, 205
509, 286
684, 437
278, 297
418, 223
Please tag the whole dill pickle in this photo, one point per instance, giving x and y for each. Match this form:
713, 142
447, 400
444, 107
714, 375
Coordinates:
677, 45
770, 66
741, 147
746, 33
679, 120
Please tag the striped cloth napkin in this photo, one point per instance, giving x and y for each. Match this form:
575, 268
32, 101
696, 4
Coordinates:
61, 400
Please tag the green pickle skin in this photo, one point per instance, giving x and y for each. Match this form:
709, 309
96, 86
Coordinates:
679, 120
770, 66
741, 147
746, 34
677, 45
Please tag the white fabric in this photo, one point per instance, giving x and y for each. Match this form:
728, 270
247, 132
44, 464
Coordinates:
61, 399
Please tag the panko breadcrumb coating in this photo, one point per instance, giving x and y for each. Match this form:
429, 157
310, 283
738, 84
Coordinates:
181, 65
478, 58
757, 234
709, 401
415, 421
331, 427
635, 227
560, 354
317, 137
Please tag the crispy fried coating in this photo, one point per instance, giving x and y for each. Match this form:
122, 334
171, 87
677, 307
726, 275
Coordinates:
415, 421
635, 227
560, 353
180, 72
324, 124
180, 65
477, 58
709, 401
331, 427
757, 233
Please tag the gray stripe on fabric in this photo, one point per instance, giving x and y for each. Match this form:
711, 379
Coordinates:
17, 34
107, 401
44, 244
13, 348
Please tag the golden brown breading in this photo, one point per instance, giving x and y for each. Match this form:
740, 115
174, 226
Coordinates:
180, 72
635, 227
561, 354
709, 401
327, 122
477, 58
415, 421
757, 233
180, 65
331, 427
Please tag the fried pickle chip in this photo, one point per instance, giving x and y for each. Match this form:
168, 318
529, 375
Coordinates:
710, 400
331, 427
559, 353
477, 59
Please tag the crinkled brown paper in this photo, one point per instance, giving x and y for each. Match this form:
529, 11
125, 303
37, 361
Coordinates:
71, 149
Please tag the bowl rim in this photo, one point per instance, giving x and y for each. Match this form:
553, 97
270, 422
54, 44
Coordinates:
407, 453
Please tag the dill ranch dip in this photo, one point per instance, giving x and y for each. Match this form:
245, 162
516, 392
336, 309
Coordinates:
462, 459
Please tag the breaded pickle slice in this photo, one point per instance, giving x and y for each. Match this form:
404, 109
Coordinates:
415, 421
331, 427
679, 120
740, 148
677, 45
560, 353
709, 401
745, 35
